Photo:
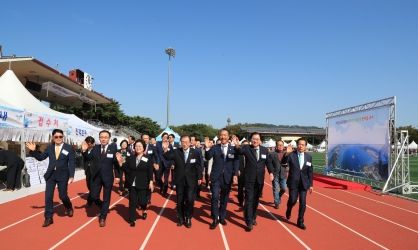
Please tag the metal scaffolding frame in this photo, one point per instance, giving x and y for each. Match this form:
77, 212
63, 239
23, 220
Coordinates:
399, 178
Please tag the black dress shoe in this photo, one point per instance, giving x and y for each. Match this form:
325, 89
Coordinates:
149, 202
214, 224
164, 194
188, 223
249, 227
254, 222
89, 204
276, 206
144, 216
48, 222
70, 212
287, 214
180, 223
223, 222
301, 226
132, 223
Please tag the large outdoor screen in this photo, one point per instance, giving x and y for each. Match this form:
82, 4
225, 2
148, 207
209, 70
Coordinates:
359, 144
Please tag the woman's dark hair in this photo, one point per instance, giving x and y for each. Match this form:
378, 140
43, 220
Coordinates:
142, 142
127, 143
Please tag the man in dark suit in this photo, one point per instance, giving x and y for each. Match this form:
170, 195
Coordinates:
106, 160
300, 179
88, 169
193, 146
165, 165
224, 172
279, 173
60, 172
14, 169
131, 147
241, 176
174, 145
188, 170
150, 151
256, 159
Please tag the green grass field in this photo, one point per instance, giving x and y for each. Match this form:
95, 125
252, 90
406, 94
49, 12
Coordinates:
318, 159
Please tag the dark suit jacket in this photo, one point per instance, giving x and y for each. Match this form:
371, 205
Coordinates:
191, 170
107, 165
241, 164
142, 174
254, 170
65, 163
129, 149
152, 151
8, 158
229, 166
164, 162
199, 150
279, 168
176, 145
88, 165
297, 175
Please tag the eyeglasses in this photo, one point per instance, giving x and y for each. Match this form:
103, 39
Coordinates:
58, 136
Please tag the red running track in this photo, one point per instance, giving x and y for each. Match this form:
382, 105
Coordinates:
335, 219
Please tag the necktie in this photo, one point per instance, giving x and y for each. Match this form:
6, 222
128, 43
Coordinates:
57, 152
146, 149
223, 151
103, 151
256, 153
300, 160
185, 156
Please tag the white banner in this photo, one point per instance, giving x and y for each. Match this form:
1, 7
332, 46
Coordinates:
10, 117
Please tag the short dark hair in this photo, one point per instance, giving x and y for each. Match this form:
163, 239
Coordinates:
279, 141
193, 137
127, 143
172, 135
302, 139
115, 139
57, 130
255, 133
142, 142
105, 131
132, 138
188, 136
89, 139
224, 129
145, 133
165, 133
244, 141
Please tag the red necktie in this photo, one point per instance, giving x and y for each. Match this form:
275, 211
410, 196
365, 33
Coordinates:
103, 151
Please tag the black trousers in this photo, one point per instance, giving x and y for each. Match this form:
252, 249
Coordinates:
49, 194
220, 196
241, 179
123, 184
252, 196
136, 196
88, 183
293, 196
185, 200
14, 173
96, 187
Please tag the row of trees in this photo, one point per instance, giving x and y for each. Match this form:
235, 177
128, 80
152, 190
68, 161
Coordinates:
111, 113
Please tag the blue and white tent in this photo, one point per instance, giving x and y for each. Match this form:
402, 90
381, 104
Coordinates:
168, 130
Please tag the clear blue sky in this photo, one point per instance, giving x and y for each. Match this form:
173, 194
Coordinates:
278, 62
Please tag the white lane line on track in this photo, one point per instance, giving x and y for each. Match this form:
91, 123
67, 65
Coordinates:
85, 224
387, 204
287, 229
224, 237
155, 222
377, 216
339, 223
27, 218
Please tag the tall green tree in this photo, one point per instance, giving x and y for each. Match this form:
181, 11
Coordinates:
199, 130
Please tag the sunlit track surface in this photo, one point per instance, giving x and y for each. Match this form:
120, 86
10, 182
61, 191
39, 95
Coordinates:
335, 219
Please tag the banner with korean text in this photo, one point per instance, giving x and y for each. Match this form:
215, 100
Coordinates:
359, 144
39, 126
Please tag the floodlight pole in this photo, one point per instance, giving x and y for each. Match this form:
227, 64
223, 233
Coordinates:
171, 53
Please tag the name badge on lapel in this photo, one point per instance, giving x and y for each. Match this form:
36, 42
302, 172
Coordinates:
263, 156
109, 155
308, 163
64, 152
149, 152
128, 154
144, 159
231, 156
192, 160
174, 147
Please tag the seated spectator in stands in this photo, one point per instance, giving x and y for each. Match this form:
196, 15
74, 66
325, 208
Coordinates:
14, 169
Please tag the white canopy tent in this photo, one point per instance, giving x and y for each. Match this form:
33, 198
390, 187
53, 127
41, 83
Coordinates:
39, 119
413, 145
168, 130
78, 130
293, 143
11, 122
270, 143
309, 146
